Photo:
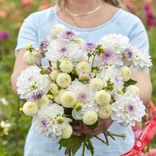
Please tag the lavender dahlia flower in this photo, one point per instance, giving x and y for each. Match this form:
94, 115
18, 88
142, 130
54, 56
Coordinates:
108, 58
43, 46
67, 35
90, 46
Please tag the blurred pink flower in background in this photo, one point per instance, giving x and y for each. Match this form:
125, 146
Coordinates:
150, 19
44, 4
4, 35
148, 11
27, 3
151, 152
137, 131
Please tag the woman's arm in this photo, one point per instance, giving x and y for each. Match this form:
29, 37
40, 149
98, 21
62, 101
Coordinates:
144, 84
18, 67
27, 35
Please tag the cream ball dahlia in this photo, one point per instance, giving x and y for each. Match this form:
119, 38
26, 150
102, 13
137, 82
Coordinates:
66, 66
67, 132
90, 118
96, 83
68, 99
102, 97
63, 80
83, 67
104, 111
30, 108
125, 73
133, 89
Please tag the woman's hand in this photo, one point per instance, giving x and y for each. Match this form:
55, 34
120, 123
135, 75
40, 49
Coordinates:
101, 127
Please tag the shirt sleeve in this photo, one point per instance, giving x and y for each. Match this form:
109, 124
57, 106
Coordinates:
139, 38
27, 34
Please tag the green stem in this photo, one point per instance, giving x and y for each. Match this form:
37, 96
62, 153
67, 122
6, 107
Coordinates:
91, 148
70, 151
93, 61
83, 150
101, 140
109, 134
67, 151
117, 135
50, 64
87, 146
50, 78
105, 135
88, 58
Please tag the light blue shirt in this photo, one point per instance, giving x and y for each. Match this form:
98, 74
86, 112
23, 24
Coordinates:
37, 27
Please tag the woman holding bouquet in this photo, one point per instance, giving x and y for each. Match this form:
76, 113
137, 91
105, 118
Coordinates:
92, 19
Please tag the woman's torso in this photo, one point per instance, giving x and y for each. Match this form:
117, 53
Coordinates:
122, 23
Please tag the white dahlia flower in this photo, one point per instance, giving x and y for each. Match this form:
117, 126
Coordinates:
141, 61
85, 98
47, 123
60, 50
30, 81
116, 43
127, 109
113, 75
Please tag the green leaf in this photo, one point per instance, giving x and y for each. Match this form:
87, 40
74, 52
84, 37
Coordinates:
130, 82
73, 142
58, 64
91, 147
89, 54
110, 86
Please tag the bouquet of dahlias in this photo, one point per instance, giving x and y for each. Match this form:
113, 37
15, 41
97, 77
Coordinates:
82, 83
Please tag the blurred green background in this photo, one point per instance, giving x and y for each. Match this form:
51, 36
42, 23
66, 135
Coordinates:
12, 14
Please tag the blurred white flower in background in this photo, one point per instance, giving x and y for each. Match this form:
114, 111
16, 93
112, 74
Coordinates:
4, 101
4, 128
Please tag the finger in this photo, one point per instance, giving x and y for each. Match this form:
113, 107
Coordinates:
90, 132
76, 133
77, 127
